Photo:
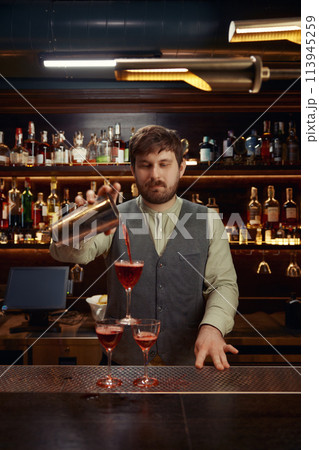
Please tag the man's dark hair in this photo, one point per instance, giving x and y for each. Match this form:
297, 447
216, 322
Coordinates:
154, 138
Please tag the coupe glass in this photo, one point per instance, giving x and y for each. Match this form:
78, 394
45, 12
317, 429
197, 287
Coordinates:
145, 333
128, 273
109, 333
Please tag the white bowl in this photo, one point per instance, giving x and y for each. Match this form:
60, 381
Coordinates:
98, 310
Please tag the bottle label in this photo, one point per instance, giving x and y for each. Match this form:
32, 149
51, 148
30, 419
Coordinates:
291, 213
48, 162
205, 154
254, 216
4, 211
66, 156
15, 158
78, 155
228, 149
59, 156
30, 160
4, 160
273, 214
103, 159
293, 152
39, 159
120, 158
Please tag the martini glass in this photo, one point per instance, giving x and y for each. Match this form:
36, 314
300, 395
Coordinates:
128, 273
109, 333
145, 333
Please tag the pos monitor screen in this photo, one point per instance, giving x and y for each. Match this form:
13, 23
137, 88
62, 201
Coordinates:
37, 290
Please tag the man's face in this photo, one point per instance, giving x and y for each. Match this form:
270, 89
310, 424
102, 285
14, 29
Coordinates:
157, 176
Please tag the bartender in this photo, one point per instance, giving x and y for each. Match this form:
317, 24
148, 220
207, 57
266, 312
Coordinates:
188, 280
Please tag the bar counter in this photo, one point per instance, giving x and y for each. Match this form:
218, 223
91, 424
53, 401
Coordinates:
244, 407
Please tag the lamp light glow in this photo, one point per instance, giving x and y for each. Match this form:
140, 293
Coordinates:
265, 30
88, 63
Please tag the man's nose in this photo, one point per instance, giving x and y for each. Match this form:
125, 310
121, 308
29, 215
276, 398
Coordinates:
154, 172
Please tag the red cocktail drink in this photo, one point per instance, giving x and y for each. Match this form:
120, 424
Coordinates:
145, 339
109, 333
128, 273
145, 333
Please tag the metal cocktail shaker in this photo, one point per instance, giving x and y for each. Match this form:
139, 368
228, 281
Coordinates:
85, 222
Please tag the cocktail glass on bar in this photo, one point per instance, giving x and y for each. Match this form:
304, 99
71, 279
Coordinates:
145, 333
128, 273
109, 333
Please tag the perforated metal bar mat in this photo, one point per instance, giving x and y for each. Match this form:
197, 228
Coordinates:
172, 379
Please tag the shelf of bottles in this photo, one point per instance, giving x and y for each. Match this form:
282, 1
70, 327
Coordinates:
25, 219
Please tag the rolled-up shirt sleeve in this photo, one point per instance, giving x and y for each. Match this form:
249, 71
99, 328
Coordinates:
220, 283
87, 252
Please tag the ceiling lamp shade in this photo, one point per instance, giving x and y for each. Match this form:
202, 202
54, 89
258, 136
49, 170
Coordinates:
265, 30
217, 74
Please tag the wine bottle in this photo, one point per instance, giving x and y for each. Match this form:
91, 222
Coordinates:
53, 203
26, 205
4, 152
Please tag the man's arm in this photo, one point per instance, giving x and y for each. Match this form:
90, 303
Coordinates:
221, 293
88, 251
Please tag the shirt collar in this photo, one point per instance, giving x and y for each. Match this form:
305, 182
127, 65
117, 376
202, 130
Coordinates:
175, 209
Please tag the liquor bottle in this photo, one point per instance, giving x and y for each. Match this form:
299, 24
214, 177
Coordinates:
293, 148
66, 205
240, 151
4, 152
4, 223
104, 149
78, 152
253, 146
205, 150
196, 199
14, 200
271, 215
290, 216
118, 145
26, 205
53, 203
92, 150
278, 143
228, 149
43, 151
127, 146
280, 235
39, 212
57, 151
266, 142
61, 150
254, 210
18, 154
93, 186
214, 149
30, 144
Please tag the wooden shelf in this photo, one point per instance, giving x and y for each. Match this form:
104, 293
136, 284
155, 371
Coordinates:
124, 170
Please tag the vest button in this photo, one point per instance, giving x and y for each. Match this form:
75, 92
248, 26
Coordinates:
159, 308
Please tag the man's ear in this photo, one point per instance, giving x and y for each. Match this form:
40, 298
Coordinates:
132, 170
182, 168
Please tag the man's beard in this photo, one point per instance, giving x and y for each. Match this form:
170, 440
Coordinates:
157, 197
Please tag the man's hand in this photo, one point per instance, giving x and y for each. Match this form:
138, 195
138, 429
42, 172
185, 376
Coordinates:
104, 190
210, 342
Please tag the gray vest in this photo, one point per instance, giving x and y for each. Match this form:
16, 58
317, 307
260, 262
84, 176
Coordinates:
170, 289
